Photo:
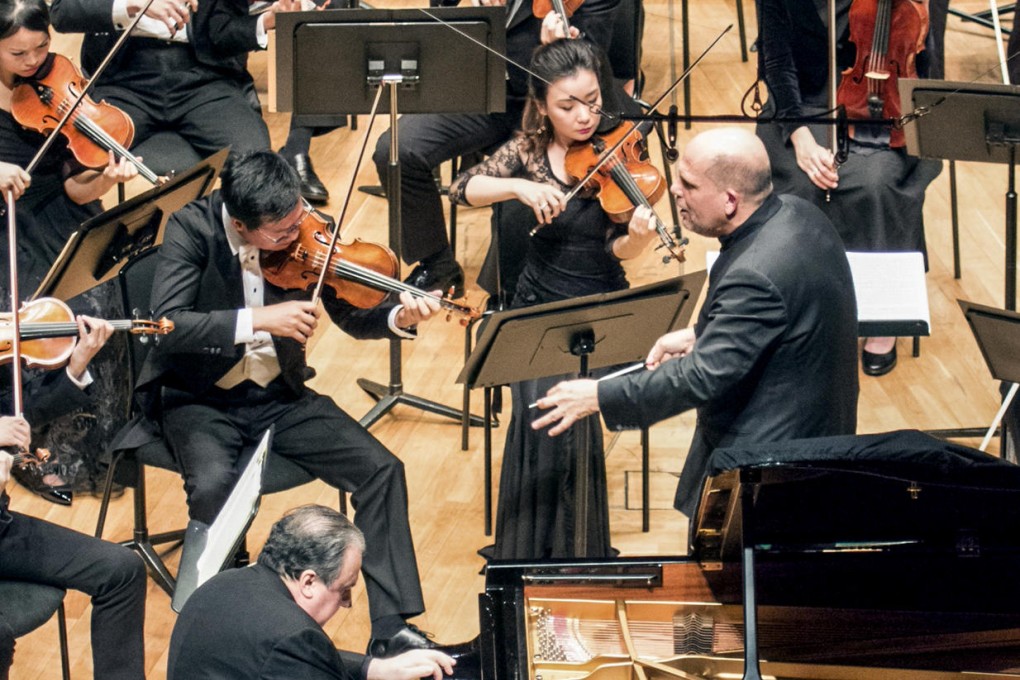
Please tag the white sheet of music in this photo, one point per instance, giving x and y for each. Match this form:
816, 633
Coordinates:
890, 287
235, 516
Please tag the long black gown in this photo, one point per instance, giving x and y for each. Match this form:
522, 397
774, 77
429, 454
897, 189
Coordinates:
571, 257
46, 217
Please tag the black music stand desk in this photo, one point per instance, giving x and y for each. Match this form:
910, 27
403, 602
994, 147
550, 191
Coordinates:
421, 62
100, 248
571, 336
969, 122
997, 332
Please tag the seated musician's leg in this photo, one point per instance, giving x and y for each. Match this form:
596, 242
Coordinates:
206, 445
879, 207
220, 113
112, 575
321, 438
425, 141
6, 648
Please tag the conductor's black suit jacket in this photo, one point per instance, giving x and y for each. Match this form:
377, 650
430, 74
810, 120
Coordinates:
776, 350
244, 625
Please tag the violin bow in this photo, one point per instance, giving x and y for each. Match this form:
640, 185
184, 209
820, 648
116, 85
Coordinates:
12, 258
317, 293
85, 90
591, 107
609, 153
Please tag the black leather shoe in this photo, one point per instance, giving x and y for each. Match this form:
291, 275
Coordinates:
410, 637
442, 277
878, 364
312, 188
31, 477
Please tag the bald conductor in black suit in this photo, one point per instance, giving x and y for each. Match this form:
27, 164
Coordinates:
774, 353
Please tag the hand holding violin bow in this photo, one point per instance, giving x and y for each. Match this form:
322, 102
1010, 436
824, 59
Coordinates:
13, 179
174, 13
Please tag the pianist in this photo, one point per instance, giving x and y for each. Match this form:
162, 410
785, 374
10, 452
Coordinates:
773, 355
265, 621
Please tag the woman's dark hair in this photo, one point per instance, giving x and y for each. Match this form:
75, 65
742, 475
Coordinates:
559, 59
311, 537
17, 14
259, 187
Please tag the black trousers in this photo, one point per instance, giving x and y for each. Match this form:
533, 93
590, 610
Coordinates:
208, 435
34, 550
425, 141
163, 88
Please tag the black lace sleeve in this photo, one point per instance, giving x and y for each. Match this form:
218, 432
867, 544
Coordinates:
505, 162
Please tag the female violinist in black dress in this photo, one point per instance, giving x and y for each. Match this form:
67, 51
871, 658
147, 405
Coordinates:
59, 196
577, 251
877, 196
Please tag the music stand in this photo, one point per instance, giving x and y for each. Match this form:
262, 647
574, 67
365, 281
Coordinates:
411, 54
576, 335
100, 248
969, 122
997, 332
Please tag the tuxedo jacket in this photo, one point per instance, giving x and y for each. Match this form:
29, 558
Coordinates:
221, 33
243, 624
198, 286
776, 350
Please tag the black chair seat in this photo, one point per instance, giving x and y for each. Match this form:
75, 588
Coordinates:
26, 606
166, 152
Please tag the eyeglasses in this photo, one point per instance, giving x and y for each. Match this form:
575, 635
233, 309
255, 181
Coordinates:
292, 229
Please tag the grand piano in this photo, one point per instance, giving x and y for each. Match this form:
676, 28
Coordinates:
892, 556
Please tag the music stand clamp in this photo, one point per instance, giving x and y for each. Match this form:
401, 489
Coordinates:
407, 52
595, 331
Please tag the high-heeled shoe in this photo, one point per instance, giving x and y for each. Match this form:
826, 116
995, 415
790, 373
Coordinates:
31, 477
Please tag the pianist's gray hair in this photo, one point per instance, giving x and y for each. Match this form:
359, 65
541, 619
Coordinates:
310, 537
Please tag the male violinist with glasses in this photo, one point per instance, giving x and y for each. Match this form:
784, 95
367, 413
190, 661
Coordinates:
235, 365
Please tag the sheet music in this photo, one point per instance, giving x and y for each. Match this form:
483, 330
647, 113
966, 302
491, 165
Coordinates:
890, 287
235, 516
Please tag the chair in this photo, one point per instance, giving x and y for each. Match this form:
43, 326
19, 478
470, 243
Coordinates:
163, 153
27, 606
128, 465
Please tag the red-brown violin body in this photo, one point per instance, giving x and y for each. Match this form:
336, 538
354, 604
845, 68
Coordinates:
620, 176
93, 130
359, 272
48, 332
888, 35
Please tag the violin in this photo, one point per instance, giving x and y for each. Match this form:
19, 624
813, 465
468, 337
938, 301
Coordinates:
359, 272
48, 330
616, 165
888, 35
38, 103
541, 8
